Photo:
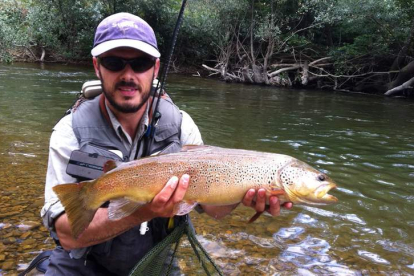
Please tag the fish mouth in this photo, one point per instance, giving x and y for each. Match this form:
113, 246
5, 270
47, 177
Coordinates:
322, 195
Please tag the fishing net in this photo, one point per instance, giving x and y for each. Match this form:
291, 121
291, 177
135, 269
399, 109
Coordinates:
179, 253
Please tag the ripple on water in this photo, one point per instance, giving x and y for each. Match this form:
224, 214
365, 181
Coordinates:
288, 233
311, 256
218, 249
372, 257
304, 218
262, 242
349, 217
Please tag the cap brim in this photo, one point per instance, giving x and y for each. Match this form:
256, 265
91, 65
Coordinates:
112, 44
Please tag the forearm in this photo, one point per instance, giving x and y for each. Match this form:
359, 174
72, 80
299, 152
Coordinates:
101, 229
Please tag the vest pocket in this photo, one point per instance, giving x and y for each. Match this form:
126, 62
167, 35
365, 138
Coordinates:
103, 150
166, 132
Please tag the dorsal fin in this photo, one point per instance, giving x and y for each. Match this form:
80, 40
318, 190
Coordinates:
110, 165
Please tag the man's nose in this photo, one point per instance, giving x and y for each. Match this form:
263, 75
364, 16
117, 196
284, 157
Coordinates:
127, 73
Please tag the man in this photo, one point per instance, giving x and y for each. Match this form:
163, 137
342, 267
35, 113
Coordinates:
113, 125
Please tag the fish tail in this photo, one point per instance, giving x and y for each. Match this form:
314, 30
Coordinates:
76, 203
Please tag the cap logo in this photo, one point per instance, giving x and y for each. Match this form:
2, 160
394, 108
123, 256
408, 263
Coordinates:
124, 26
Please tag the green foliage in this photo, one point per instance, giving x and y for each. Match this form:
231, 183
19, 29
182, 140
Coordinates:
342, 28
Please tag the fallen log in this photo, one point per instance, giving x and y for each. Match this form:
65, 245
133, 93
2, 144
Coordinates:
399, 89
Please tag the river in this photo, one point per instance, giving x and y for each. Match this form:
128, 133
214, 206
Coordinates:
365, 143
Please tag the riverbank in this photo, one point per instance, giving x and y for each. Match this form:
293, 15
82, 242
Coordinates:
289, 81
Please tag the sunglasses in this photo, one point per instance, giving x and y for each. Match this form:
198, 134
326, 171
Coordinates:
116, 64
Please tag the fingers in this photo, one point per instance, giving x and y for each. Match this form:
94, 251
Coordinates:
248, 198
181, 189
274, 206
260, 200
172, 193
287, 205
166, 193
257, 200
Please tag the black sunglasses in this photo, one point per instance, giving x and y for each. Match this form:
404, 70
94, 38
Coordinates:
115, 64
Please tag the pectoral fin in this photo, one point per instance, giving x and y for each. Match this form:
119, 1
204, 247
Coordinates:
120, 208
277, 192
184, 208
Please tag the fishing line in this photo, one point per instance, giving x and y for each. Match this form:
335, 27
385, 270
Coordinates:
156, 115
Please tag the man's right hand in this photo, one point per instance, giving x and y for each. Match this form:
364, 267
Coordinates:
165, 203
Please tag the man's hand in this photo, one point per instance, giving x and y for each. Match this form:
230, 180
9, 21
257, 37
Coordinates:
165, 202
260, 203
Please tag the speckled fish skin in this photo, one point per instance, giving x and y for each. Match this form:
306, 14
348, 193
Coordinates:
218, 176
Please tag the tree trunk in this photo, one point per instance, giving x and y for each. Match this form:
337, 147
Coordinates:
405, 74
42, 57
404, 50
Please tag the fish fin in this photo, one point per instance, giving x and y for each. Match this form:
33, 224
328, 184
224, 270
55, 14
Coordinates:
110, 165
255, 217
184, 208
277, 192
122, 207
76, 204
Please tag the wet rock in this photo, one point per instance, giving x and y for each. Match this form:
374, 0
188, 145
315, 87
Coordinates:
2, 247
13, 233
28, 242
8, 265
29, 225
10, 240
25, 235
43, 229
8, 214
272, 227
5, 225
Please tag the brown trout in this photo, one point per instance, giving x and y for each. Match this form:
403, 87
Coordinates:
218, 176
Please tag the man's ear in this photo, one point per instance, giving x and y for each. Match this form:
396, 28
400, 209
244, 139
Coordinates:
156, 67
96, 67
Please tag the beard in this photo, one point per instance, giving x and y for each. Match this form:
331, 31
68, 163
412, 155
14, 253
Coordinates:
125, 107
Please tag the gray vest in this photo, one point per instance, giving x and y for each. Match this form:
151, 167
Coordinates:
95, 134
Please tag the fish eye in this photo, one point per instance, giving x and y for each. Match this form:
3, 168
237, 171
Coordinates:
321, 177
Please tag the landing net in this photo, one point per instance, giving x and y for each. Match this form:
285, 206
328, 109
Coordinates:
179, 253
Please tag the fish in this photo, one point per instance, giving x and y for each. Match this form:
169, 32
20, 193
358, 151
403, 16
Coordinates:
218, 176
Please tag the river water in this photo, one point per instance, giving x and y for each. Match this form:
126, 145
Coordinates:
365, 143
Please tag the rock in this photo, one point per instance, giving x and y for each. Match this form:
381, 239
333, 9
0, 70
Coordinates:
9, 265
29, 225
2, 247
25, 235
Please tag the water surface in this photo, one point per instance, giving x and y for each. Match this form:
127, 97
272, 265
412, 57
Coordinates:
364, 143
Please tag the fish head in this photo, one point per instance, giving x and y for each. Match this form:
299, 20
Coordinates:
304, 184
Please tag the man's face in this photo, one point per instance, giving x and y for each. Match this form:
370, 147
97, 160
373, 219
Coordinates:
125, 90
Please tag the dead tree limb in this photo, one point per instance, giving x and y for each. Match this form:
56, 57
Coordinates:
277, 72
406, 85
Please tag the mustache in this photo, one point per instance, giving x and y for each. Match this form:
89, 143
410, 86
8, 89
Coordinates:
128, 83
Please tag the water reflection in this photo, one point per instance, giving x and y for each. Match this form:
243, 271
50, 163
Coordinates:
364, 143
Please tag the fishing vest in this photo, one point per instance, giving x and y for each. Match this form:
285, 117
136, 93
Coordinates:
95, 134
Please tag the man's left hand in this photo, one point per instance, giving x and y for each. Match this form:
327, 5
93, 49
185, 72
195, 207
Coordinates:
257, 200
